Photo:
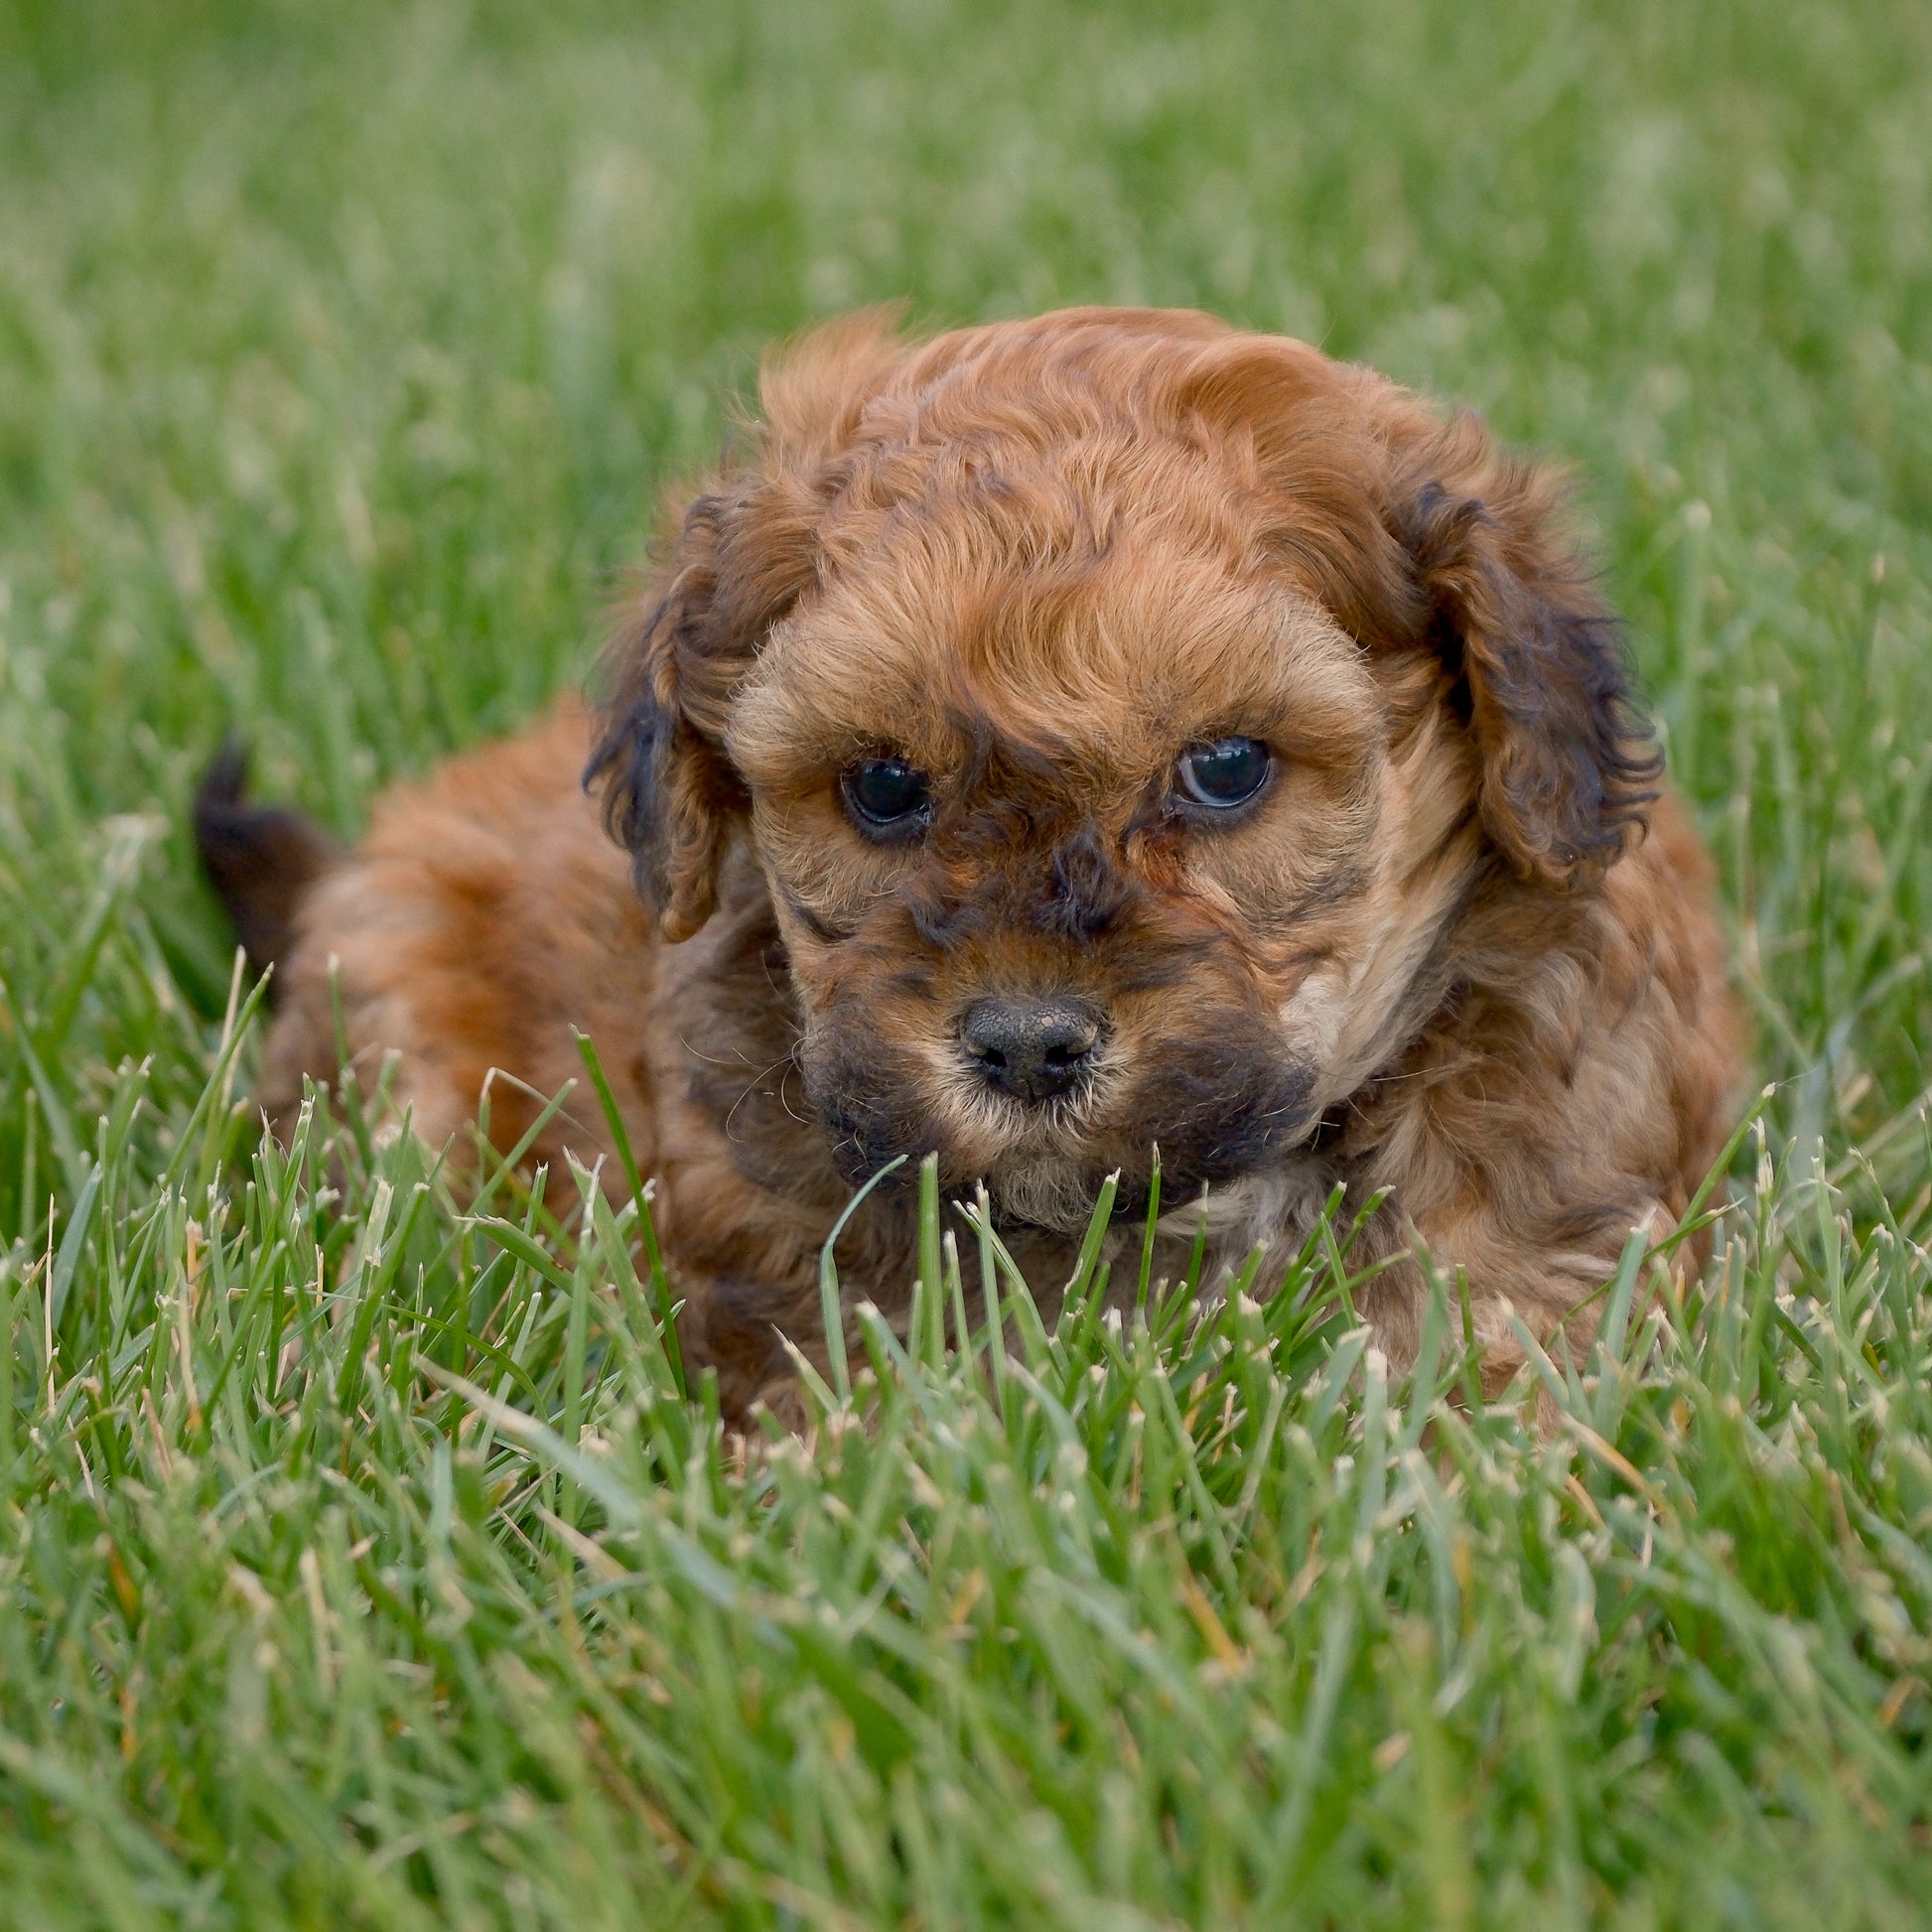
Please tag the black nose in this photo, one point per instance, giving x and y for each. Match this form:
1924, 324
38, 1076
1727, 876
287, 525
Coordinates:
1031, 1048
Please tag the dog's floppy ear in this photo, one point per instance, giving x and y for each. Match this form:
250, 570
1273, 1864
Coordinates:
745, 552
1567, 758
739, 564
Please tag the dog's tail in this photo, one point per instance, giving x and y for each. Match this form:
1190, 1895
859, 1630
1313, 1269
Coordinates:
260, 859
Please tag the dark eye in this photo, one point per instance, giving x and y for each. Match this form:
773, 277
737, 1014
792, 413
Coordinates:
1227, 772
889, 798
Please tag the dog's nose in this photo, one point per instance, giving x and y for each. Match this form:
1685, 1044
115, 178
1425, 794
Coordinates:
1033, 1050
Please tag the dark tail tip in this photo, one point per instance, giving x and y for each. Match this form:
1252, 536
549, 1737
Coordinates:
260, 859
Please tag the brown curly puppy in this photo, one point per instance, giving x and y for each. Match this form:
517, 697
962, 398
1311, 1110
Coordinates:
1044, 741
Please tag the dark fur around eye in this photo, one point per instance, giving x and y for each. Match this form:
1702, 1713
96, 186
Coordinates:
888, 798
1228, 773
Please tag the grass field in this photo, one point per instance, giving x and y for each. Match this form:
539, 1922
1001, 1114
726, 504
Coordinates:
360, 1564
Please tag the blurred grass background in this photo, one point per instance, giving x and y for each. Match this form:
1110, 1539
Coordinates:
343, 351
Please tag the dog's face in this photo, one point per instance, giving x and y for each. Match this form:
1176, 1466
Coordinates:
1120, 710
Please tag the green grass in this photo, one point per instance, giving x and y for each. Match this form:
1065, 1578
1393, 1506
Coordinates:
359, 1564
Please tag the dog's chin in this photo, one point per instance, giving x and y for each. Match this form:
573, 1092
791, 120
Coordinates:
1058, 1195
1035, 1172
1055, 1192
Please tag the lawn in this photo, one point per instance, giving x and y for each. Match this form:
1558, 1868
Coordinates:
361, 1562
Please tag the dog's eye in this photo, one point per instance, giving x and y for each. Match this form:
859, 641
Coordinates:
1227, 772
887, 796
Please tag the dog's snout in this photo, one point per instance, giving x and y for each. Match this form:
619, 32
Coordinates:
1033, 1050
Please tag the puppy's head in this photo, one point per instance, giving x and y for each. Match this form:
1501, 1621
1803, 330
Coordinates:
1119, 709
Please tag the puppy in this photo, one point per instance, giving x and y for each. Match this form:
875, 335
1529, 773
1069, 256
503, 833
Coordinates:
1041, 743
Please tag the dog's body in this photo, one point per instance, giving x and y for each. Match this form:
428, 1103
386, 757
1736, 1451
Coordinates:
1054, 739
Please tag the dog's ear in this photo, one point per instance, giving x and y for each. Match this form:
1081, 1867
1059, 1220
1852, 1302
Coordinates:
1417, 531
744, 554
1536, 657
745, 551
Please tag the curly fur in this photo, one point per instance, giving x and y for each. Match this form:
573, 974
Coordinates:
1461, 950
